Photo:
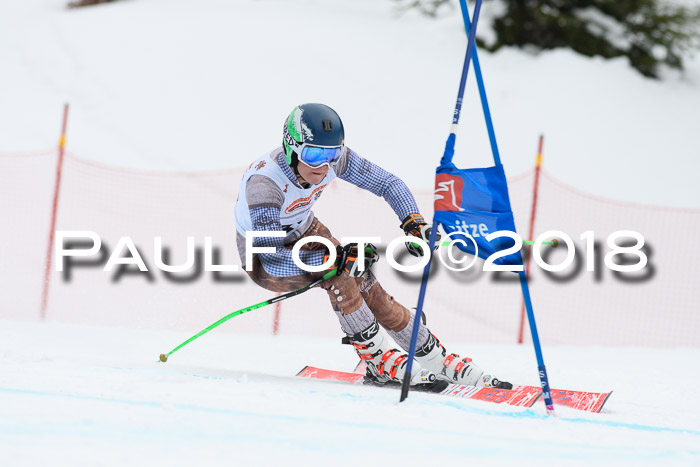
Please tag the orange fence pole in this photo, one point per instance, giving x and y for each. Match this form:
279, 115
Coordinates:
49, 251
276, 319
538, 163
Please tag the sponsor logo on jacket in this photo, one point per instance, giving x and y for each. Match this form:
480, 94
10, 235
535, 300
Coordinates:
302, 202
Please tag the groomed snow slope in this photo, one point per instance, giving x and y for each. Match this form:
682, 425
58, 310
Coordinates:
182, 85
85, 395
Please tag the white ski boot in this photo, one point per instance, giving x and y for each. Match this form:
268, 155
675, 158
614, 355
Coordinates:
384, 364
453, 368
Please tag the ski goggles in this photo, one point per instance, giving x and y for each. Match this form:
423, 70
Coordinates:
317, 156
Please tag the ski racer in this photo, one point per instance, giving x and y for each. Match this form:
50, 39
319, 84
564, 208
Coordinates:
277, 193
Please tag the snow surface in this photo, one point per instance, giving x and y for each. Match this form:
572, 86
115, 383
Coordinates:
182, 85
87, 395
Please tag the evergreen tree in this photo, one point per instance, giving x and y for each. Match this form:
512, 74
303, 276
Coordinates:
648, 32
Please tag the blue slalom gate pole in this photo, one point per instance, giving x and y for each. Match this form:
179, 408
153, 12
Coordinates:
416, 320
447, 156
544, 379
480, 85
471, 49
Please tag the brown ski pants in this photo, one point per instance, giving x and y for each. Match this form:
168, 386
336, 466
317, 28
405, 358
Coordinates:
345, 293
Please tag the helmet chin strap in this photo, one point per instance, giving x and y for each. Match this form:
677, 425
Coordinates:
302, 180
294, 165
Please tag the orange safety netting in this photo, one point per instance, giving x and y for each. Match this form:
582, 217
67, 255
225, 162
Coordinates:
657, 307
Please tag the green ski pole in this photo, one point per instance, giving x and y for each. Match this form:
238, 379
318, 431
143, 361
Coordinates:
554, 243
328, 275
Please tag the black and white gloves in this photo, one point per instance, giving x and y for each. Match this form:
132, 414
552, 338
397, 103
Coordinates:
348, 259
347, 256
414, 225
